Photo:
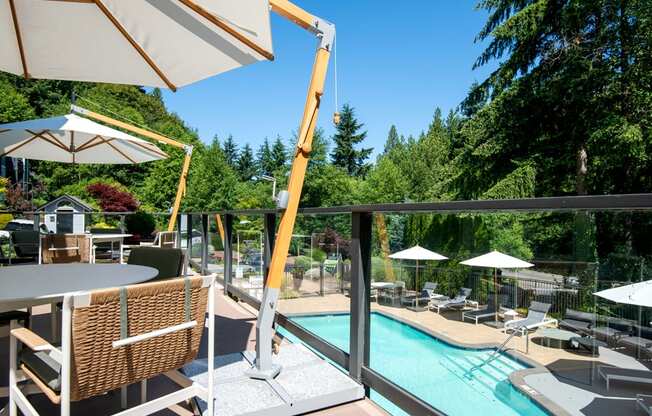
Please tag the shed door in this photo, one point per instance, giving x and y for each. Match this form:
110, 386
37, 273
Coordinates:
64, 221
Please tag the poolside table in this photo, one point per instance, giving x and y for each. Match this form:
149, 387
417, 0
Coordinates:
30, 285
556, 338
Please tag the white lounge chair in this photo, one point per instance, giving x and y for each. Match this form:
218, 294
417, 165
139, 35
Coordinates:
644, 402
458, 302
625, 374
535, 318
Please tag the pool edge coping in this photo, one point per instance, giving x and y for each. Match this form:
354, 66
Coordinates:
516, 378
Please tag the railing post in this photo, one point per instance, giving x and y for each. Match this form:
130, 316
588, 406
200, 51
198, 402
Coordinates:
228, 251
269, 225
179, 235
122, 223
204, 244
360, 290
37, 221
321, 279
188, 242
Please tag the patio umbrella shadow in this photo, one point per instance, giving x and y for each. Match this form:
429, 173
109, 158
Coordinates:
231, 335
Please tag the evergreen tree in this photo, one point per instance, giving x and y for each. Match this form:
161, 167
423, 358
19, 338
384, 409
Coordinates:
348, 135
319, 154
393, 140
230, 149
279, 154
246, 165
265, 162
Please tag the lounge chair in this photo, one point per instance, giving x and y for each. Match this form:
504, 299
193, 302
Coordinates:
116, 337
536, 317
488, 312
578, 321
614, 330
625, 374
423, 299
457, 302
639, 341
168, 261
644, 402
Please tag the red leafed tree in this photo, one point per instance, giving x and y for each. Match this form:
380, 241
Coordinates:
112, 199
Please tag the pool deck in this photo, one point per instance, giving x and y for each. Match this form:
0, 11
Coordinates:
563, 381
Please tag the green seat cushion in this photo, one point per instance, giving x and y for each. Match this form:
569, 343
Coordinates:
43, 366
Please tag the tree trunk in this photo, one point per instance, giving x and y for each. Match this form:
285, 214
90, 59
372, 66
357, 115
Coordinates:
582, 168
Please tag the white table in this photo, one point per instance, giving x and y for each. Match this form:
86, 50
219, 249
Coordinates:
108, 238
382, 285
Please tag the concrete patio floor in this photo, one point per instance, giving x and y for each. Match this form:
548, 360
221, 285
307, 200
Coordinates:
235, 331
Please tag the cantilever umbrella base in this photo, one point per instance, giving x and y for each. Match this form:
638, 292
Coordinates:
307, 384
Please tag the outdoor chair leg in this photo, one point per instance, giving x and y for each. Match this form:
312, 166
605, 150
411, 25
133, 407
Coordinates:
54, 322
123, 397
143, 391
13, 364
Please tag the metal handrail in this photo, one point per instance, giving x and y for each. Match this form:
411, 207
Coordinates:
494, 355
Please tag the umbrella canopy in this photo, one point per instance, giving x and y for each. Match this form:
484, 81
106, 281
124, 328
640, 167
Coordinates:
417, 253
155, 43
497, 260
74, 139
639, 294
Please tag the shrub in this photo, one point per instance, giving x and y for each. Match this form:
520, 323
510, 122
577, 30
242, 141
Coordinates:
4, 220
141, 224
112, 199
302, 262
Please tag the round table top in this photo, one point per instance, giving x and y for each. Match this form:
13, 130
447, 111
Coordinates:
55, 280
556, 333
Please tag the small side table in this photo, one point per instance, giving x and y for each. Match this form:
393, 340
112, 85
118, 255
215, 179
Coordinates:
510, 315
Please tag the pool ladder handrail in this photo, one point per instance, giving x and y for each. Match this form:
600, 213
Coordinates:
494, 355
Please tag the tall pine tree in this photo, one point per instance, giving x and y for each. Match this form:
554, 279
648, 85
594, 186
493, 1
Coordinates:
348, 135
230, 149
246, 166
264, 161
393, 140
278, 154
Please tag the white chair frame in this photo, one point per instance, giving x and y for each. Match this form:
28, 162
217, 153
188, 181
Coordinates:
190, 389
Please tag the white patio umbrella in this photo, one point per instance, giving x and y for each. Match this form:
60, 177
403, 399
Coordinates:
638, 294
74, 139
417, 253
142, 42
497, 260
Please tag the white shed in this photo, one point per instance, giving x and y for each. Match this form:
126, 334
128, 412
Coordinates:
65, 215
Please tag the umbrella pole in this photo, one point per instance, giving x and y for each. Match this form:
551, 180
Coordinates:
181, 188
416, 287
495, 295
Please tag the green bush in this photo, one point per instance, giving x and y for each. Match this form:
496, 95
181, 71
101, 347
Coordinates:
140, 224
302, 262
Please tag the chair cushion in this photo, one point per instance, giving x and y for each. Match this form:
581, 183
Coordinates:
575, 315
168, 261
43, 366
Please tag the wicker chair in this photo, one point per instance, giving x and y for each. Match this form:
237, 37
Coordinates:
65, 248
116, 337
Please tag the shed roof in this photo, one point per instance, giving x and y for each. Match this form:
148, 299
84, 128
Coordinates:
70, 198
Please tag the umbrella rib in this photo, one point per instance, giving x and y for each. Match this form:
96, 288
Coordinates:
56, 142
19, 38
20, 145
89, 144
118, 150
134, 44
156, 152
228, 29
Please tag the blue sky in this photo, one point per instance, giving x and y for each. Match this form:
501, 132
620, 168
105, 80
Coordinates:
396, 62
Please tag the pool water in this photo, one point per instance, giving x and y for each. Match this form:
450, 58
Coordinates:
431, 369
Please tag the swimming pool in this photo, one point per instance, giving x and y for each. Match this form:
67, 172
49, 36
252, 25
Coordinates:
430, 368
